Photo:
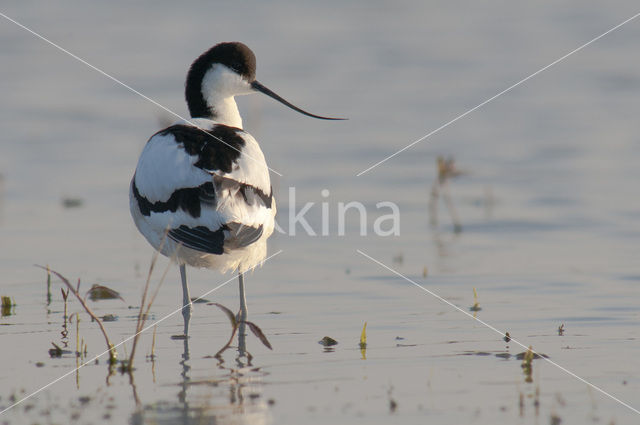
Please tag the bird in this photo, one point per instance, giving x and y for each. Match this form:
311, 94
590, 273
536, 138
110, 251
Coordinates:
201, 193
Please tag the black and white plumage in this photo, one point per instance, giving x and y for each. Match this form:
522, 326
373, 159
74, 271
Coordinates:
204, 183
214, 199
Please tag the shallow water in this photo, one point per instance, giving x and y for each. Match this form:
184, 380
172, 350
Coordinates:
549, 209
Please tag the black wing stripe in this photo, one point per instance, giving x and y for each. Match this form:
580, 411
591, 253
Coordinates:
205, 240
188, 199
242, 236
217, 149
200, 238
192, 199
249, 193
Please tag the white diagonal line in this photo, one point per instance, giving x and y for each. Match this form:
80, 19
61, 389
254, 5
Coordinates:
497, 95
125, 340
114, 79
498, 331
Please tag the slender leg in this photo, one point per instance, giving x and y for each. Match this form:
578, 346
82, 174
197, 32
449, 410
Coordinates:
242, 315
186, 299
243, 299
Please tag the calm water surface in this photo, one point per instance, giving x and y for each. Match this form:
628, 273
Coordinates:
549, 209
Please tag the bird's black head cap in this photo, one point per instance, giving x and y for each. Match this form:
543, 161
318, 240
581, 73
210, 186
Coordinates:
234, 55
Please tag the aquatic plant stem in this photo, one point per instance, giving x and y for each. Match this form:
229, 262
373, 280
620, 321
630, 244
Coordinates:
112, 352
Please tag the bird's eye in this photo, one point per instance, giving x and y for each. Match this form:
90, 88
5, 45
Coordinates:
236, 66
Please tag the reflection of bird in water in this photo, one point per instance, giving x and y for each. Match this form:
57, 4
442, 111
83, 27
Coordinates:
204, 183
235, 397
447, 170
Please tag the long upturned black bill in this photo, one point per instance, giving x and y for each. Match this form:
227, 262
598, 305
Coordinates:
259, 87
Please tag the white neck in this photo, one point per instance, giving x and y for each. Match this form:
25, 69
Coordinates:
226, 111
219, 86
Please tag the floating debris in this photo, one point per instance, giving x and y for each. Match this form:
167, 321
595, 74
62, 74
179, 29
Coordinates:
327, 341
124, 366
561, 330
393, 405
196, 300
475, 353
56, 351
507, 337
425, 271
178, 337
521, 356
72, 202
100, 292
7, 306
109, 318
